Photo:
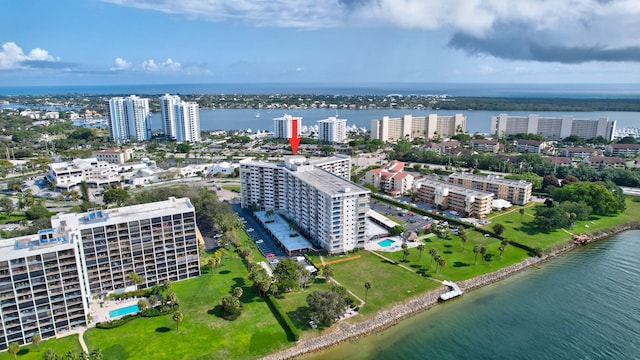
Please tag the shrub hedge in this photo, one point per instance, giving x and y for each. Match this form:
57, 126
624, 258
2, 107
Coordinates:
282, 317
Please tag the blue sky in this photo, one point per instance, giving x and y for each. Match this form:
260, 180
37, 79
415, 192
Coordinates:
69, 42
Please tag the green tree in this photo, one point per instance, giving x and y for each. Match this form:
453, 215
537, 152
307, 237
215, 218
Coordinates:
433, 252
442, 262
35, 340
177, 317
367, 287
135, 278
397, 230
483, 253
183, 148
237, 292
405, 254
328, 272
96, 354
13, 349
115, 196
498, 228
153, 300
603, 198
326, 306
231, 305
142, 305
6, 204
50, 354
550, 218
260, 279
521, 211
501, 249
287, 275
420, 249
476, 251
166, 285
37, 211
463, 237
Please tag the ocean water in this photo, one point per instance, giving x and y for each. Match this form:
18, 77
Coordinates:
583, 305
454, 89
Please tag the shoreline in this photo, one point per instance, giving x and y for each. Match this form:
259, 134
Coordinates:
387, 318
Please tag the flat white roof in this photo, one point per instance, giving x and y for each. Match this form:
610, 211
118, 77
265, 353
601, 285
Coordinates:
123, 214
280, 229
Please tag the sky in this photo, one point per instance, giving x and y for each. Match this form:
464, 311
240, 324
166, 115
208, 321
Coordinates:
107, 42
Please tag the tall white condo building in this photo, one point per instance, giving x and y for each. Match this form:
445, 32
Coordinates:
332, 130
129, 119
282, 126
180, 119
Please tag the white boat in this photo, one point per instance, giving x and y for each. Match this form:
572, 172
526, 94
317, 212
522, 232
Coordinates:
257, 114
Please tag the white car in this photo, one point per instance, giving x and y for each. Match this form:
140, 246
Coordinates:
250, 230
259, 241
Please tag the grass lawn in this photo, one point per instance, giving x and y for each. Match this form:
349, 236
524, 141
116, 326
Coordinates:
389, 283
234, 188
295, 303
461, 265
202, 334
522, 229
30, 352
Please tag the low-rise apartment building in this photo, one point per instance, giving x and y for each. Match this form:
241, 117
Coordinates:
515, 191
446, 195
114, 155
623, 150
390, 178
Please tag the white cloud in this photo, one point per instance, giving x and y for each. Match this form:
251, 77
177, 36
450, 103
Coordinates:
13, 57
604, 30
486, 70
168, 65
121, 64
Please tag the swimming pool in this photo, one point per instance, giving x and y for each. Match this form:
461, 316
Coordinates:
124, 311
386, 242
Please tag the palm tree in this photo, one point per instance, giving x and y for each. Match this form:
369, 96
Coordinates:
476, 251
237, 292
167, 285
35, 340
437, 258
421, 249
14, 347
270, 213
142, 305
501, 248
521, 211
433, 252
483, 252
367, 286
172, 298
463, 238
442, 262
405, 253
328, 272
177, 317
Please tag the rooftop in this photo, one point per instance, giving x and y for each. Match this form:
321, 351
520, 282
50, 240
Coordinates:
490, 178
123, 214
455, 188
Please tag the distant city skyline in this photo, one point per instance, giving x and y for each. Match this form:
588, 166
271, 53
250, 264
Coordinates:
103, 42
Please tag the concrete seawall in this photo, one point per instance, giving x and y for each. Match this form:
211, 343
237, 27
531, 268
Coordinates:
386, 318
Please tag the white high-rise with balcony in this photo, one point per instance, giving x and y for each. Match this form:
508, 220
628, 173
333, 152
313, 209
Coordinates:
327, 208
332, 130
282, 127
180, 119
129, 119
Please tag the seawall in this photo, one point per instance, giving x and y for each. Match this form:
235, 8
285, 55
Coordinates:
386, 318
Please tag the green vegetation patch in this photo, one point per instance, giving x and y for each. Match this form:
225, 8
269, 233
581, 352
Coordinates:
60, 346
203, 333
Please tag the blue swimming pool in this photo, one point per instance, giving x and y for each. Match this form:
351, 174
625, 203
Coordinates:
386, 242
124, 311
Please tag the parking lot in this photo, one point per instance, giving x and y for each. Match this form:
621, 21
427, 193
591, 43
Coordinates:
265, 243
413, 222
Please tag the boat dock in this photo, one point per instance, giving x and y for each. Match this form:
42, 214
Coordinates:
455, 290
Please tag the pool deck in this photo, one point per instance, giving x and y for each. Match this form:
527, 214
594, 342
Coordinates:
396, 246
101, 313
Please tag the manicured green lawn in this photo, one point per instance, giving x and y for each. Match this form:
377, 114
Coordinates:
389, 283
234, 188
461, 265
202, 334
295, 303
30, 352
522, 229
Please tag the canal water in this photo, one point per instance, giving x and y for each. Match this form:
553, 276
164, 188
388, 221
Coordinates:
583, 305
